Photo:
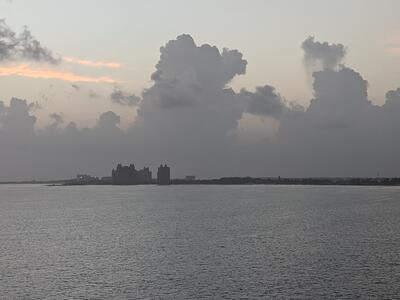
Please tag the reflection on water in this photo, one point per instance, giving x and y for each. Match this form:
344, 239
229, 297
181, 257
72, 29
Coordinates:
185, 242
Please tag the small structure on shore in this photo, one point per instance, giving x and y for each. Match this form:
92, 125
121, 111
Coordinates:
163, 175
128, 175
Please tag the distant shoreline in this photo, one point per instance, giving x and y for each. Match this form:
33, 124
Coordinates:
328, 181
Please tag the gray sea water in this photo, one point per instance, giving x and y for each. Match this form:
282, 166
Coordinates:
199, 242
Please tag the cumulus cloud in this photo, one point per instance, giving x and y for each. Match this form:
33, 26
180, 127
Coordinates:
16, 120
34, 106
22, 46
56, 151
109, 120
123, 98
190, 108
266, 101
393, 96
189, 118
342, 133
182, 57
340, 96
323, 56
57, 118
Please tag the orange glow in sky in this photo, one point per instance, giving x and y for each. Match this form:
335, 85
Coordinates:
28, 71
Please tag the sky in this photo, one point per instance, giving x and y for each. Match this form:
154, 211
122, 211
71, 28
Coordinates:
99, 68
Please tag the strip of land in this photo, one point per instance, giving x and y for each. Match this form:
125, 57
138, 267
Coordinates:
356, 181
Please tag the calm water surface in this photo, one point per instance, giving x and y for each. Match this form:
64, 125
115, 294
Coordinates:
190, 242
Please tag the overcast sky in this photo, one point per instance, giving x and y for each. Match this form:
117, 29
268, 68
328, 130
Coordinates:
93, 70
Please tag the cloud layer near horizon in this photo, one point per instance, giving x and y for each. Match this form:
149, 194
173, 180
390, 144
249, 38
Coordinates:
189, 118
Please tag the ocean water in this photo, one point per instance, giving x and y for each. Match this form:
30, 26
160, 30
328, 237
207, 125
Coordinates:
199, 242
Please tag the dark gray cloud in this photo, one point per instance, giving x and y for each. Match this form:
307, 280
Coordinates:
340, 96
186, 71
341, 133
57, 118
123, 98
189, 118
57, 151
393, 96
189, 113
322, 55
109, 120
88, 92
3, 111
22, 46
16, 120
35, 106
266, 101
56, 121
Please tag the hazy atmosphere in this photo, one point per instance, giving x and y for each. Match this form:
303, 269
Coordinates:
217, 88
213, 149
